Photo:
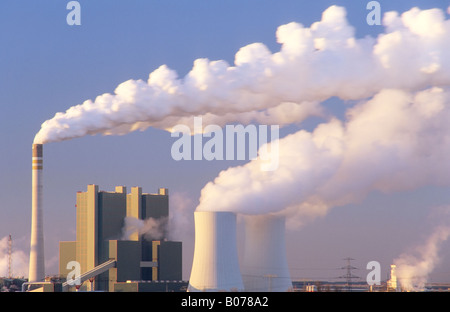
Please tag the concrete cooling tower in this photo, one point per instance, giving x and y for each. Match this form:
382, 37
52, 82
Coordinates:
264, 266
215, 264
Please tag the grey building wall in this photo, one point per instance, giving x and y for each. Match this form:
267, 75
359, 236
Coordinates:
112, 213
170, 261
128, 257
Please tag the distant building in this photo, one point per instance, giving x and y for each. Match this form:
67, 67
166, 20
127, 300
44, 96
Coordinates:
109, 255
392, 282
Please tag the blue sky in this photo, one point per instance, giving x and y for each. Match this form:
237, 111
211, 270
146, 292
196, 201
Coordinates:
46, 66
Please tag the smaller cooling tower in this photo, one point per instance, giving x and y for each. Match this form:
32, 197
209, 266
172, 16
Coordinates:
264, 266
215, 264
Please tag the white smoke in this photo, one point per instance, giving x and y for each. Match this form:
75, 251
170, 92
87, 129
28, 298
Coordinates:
19, 263
181, 216
314, 63
151, 228
414, 267
395, 138
395, 141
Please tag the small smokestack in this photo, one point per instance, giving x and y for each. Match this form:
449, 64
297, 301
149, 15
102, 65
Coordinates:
392, 282
215, 265
264, 265
36, 269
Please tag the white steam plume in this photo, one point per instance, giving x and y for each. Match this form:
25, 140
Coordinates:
313, 64
150, 228
181, 216
414, 267
19, 265
395, 141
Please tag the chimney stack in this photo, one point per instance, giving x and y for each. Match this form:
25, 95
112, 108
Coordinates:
36, 269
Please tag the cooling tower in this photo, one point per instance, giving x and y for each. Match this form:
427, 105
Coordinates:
264, 266
36, 270
215, 265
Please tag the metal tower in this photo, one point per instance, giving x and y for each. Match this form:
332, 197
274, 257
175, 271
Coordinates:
349, 276
10, 256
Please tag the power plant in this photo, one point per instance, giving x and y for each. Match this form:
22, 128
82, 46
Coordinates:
216, 267
36, 268
112, 259
106, 256
109, 254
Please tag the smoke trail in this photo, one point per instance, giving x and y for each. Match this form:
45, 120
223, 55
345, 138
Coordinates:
414, 267
150, 228
415, 264
19, 260
181, 216
314, 63
395, 141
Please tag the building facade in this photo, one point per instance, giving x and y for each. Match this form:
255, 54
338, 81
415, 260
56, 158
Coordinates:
140, 253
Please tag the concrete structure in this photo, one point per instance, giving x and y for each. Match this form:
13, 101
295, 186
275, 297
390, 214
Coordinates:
264, 266
215, 265
36, 266
100, 226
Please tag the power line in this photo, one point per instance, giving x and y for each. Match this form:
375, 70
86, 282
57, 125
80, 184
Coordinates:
349, 276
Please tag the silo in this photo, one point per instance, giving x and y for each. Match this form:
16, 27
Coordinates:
264, 266
215, 264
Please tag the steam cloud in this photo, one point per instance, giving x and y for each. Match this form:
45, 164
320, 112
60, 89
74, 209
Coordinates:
19, 265
395, 141
414, 267
181, 216
150, 228
395, 136
313, 64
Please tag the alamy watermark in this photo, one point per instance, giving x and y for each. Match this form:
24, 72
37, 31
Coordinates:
74, 276
74, 16
233, 142
374, 16
374, 276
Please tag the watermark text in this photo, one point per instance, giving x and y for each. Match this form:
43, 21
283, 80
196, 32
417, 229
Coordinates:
235, 142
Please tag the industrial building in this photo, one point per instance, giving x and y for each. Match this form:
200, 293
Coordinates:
106, 258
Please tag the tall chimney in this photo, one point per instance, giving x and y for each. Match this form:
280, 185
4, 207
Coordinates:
36, 270
215, 265
264, 266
